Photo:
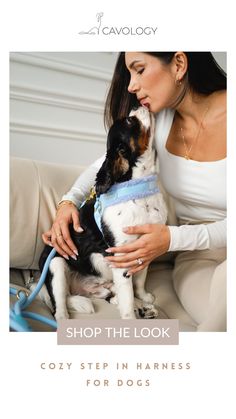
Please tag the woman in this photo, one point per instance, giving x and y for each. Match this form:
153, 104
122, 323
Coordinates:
187, 91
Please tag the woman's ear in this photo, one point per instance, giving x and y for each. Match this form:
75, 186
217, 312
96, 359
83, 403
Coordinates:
180, 63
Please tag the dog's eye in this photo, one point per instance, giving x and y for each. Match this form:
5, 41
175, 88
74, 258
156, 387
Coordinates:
121, 149
129, 120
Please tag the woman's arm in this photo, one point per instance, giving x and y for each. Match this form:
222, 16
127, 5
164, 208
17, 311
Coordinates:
198, 237
59, 236
81, 188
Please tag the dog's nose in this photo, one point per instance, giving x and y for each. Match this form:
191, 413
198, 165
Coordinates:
140, 112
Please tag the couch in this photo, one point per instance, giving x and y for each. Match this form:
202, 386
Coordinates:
35, 189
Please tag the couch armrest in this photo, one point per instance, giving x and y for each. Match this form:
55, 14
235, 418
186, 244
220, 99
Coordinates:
35, 189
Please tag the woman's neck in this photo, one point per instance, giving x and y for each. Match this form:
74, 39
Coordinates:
194, 105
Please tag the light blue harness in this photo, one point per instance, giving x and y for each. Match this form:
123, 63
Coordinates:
122, 192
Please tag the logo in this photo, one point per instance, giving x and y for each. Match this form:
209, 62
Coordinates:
98, 29
95, 30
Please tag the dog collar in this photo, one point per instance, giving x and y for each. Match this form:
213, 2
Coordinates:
125, 191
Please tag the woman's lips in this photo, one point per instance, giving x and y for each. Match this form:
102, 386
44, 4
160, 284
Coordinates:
144, 103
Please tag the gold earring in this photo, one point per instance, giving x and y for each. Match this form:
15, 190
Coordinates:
178, 82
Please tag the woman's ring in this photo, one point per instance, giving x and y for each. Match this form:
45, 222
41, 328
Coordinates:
59, 235
140, 261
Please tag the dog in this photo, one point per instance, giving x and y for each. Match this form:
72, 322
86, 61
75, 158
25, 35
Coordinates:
130, 158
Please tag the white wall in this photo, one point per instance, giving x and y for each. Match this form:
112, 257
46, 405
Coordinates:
56, 105
57, 102
220, 57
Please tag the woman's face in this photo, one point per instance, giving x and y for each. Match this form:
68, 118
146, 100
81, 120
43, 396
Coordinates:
153, 82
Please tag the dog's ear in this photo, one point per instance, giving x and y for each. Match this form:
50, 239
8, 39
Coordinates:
121, 165
104, 179
115, 169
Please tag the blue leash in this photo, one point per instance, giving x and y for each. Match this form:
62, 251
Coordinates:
17, 311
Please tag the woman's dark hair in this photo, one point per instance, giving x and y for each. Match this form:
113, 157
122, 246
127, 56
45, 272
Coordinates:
205, 76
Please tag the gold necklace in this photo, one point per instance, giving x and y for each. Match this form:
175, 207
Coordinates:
188, 150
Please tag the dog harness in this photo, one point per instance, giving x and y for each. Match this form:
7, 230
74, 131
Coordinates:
123, 192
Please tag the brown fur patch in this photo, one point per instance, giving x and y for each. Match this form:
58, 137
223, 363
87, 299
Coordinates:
121, 166
132, 144
143, 140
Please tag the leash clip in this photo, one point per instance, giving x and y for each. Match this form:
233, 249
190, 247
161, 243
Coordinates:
92, 194
26, 294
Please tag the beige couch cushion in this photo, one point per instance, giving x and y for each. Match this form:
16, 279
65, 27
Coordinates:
35, 189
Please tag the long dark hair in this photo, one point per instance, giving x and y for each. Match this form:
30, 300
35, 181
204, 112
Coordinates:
205, 76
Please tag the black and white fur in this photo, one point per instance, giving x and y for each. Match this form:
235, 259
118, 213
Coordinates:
130, 155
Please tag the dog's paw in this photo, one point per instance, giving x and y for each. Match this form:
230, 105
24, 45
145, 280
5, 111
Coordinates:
129, 316
80, 304
61, 315
147, 297
113, 300
148, 311
145, 310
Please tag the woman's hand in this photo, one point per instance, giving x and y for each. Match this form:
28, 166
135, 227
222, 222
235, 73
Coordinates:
59, 236
154, 242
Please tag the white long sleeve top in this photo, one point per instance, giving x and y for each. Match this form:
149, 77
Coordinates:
198, 190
